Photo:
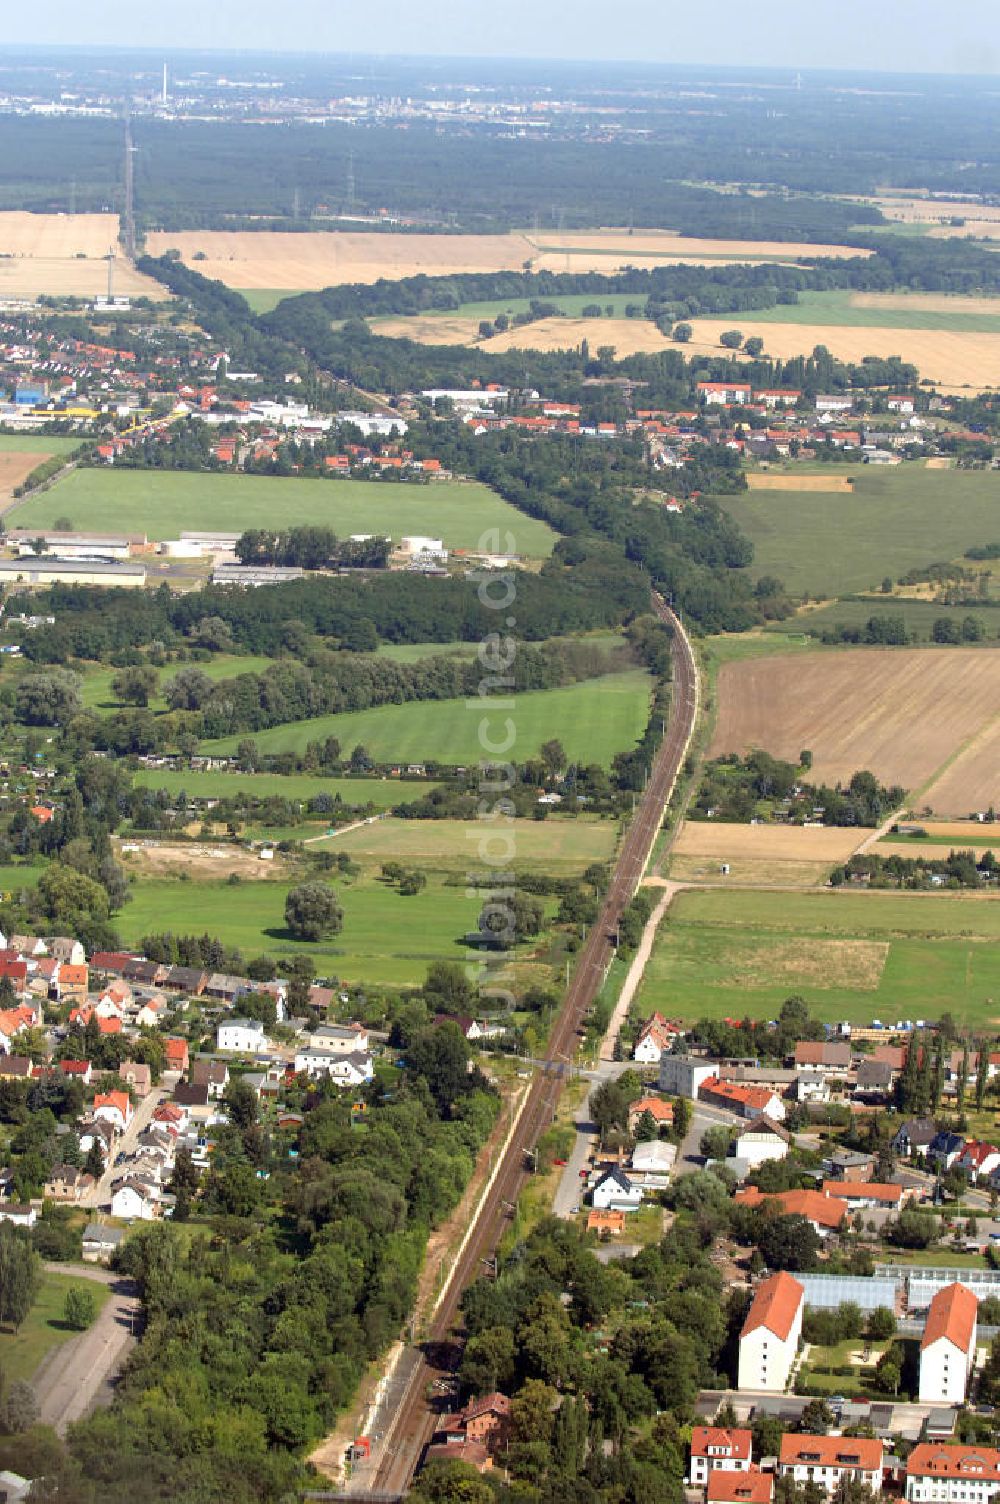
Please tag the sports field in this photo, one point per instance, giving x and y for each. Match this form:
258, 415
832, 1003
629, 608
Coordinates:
327, 258
891, 522
593, 719
907, 714
854, 956
162, 504
381, 792
558, 844
62, 255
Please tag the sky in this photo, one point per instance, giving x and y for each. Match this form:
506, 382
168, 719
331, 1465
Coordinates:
876, 35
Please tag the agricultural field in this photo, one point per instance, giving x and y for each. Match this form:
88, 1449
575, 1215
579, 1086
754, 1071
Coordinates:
22, 453
765, 855
845, 309
62, 255
593, 719
381, 792
386, 939
788, 480
162, 504
903, 713
563, 845
855, 956
917, 616
43, 1328
892, 521
267, 260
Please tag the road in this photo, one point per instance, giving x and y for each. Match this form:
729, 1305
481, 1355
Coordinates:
630, 986
141, 1117
410, 1423
77, 1375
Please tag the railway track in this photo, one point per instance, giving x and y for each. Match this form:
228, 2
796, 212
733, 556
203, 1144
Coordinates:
412, 1423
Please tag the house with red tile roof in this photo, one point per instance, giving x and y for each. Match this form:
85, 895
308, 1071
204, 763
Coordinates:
770, 1335
825, 1213
948, 1346
828, 1460
745, 1101
938, 1473
727, 1486
114, 1107
716, 1448
660, 1111
175, 1054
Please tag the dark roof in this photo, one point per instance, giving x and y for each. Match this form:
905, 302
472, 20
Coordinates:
144, 971
190, 1096
186, 978
919, 1130
618, 1176
875, 1073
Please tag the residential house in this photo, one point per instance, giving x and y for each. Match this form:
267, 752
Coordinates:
893, 1055
194, 1101
723, 393
770, 1335
660, 1111
759, 1140
915, 1137
948, 1346
317, 1060
137, 1077
718, 1447
66, 1183
175, 1054
611, 1224
65, 948
19, 1214
684, 1075
865, 1194
211, 1073
77, 1070
100, 1243
113, 1107
135, 1200
344, 1039
243, 1036
848, 1164
825, 1213
873, 1079
745, 1101
945, 1149
71, 982
830, 1056
828, 1460
656, 1037
937, 1473
152, 1013
616, 1192
142, 973
14, 1067
484, 1420
727, 1486
100, 1132
14, 1021
978, 1159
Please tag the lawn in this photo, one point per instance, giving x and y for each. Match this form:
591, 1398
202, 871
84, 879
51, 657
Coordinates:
832, 543
264, 299
413, 652
918, 616
854, 956
38, 443
19, 875
43, 1329
97, 693
558, 844
836, 309
593, 719
386, 939
381, 792
571, 304
161, 504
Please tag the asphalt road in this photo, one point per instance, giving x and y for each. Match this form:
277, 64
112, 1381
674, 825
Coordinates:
77, 1375
100, 1196
409, 1428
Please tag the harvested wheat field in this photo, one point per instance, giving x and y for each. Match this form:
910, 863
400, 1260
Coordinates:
913, 209
764, 855
15, 467
63, 255
326, 258
765, 480
951, 360
972, 781
901, 713
924, 302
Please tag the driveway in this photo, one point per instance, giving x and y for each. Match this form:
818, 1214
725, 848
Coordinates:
76, 1376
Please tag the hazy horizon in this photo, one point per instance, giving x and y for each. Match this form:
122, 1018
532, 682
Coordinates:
893, 37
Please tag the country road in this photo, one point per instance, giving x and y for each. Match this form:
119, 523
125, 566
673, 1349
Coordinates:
409, 1423
76, 1376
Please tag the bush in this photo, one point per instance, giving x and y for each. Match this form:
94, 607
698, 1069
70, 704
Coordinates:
79, 1310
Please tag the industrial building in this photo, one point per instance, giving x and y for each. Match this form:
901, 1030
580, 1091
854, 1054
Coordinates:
43, 572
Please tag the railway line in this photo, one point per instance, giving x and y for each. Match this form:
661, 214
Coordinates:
412, 1422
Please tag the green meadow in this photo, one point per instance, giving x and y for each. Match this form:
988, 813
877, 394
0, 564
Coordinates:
381, 792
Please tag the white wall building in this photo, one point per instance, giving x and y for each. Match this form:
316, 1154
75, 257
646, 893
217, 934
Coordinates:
770, 1336
714, 1447
683, 1075
760, 1140
242, 1035
826, 1460
948, 1347
946, 1474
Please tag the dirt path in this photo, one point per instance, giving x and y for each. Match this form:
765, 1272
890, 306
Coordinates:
875, 836
630, 986
75, 1377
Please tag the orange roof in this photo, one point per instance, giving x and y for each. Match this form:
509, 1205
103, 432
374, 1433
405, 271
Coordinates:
737, 1443
41, 813
952, 1315
863, 1190
118, 1099
109, 1025
74, 976
605, 1221
930, 1460
825, 1211
775, 1305
862, 1453
660, 1111
175, 1049
731, 1486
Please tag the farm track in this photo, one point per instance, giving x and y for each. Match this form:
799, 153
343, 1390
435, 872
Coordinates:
412, 1423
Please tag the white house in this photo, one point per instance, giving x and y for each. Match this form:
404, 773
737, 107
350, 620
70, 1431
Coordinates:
113, 1107
714, 1447
683, 1075
615, 1192
759, 1140
349, 1070
134, 1202
342, 1039
20, 1215
826, 1460
770, 1335
948, 1346
952, 1474
244, 1036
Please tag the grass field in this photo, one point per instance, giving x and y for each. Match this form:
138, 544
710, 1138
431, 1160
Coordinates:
97, 693
553, 845
893, 521
382, 792
39, 444
593, 719
162, 504
918, 616
412, 652
386, 939
852, 956
910, 715
264, 299
851, 310
43, 1329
